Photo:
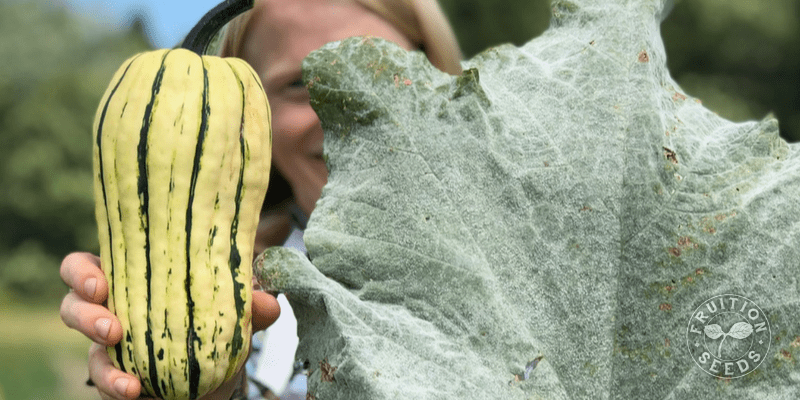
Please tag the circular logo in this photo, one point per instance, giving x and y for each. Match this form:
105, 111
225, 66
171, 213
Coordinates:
728, 336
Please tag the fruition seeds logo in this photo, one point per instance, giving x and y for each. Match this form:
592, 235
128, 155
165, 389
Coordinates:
728, 336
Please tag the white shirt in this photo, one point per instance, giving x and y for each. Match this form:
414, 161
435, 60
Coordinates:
272, 360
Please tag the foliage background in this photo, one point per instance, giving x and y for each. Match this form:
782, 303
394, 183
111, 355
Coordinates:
740, 57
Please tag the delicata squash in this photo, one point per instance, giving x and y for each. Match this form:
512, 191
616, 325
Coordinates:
182, 145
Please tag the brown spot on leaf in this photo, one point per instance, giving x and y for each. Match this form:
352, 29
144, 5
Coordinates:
643, 57
722, 217
675, 251
586, 208
786, 354
678, 96
666, 342
311, 82
407, 82
326, 371
670, 155
699, 271
591, 43
665, 307
795, 342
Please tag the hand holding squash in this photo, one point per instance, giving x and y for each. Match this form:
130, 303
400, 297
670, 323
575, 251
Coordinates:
83, 311
182, 149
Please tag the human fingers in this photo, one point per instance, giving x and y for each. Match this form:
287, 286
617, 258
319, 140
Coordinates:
111, 383
265, 310
92, 320
82, 273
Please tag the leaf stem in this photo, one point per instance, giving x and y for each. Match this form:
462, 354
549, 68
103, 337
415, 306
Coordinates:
719, 348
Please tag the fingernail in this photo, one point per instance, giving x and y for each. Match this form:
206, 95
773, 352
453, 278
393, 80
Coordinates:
90, 286
102, 326
121, 386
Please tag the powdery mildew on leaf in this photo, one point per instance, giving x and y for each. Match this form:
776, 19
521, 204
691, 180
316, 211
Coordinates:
563, 202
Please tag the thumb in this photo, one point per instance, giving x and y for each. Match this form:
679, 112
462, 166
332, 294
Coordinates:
265, 310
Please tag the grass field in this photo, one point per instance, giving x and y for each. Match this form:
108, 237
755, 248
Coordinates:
40, 358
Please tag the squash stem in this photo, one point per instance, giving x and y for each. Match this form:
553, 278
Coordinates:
200, 36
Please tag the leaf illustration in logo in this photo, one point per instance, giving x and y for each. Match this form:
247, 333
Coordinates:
740, 330
713, 331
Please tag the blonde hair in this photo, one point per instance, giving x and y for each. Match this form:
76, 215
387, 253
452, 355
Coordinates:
421, 21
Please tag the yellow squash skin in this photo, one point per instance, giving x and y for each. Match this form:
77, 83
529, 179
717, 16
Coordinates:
182, 148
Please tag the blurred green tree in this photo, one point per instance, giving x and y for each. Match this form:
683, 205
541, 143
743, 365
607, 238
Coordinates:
740, 57
53, 73
481, 24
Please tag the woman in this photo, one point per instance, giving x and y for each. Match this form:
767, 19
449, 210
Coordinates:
274, 38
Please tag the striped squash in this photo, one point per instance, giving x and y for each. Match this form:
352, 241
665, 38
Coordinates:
182, 148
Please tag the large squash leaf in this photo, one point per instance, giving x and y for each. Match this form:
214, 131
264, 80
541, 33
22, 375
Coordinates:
563, 202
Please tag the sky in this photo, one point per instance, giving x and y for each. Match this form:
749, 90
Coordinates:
168, 21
